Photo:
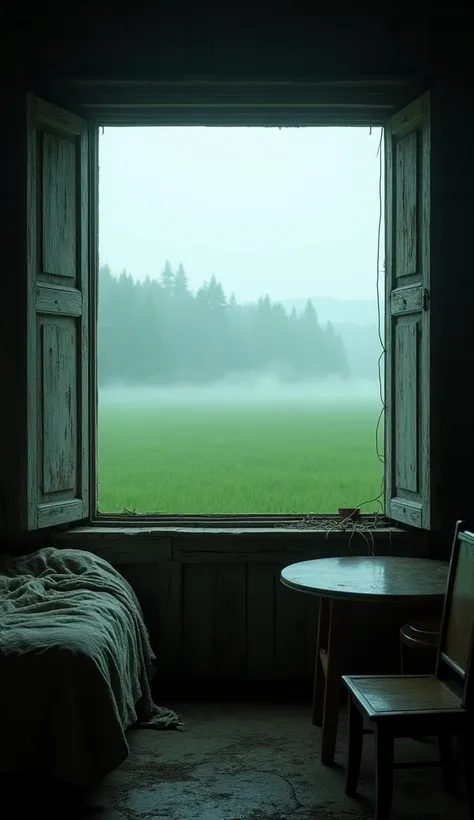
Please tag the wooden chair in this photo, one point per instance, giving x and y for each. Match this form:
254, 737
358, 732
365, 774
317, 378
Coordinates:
415, 705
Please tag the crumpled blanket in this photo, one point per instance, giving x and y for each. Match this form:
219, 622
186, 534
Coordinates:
75, 666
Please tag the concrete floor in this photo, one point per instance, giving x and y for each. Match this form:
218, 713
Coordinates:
249, 762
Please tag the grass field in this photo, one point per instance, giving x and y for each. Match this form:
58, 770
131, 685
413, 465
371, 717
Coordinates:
248, 457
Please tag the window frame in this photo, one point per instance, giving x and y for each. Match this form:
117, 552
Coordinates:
361, 102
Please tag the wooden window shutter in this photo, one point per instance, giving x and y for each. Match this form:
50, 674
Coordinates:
58, 347
407, 296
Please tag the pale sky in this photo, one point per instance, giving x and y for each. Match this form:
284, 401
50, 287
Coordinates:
291, 212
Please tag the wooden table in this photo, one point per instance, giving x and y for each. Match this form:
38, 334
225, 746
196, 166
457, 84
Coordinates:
352, 590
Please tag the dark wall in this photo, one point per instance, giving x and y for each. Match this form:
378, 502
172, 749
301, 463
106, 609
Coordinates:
262, 41
452, 343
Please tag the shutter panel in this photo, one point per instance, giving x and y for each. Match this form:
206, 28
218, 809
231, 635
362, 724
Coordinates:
407, 338
58, 307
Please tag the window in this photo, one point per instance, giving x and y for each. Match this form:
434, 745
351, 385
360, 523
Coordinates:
62, 269
241, 377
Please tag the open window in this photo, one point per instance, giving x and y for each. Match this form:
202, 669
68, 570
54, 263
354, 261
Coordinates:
61, 338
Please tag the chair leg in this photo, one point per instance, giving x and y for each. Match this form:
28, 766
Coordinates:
354, 752
446, 757
383, 773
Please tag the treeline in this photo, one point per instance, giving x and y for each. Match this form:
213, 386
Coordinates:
159, 332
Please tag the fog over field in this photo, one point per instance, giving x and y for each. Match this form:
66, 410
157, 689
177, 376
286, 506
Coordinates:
248, 390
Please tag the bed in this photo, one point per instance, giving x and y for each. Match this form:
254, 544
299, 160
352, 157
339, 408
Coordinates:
75, 666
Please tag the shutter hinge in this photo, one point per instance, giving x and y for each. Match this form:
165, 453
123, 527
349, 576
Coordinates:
426, 298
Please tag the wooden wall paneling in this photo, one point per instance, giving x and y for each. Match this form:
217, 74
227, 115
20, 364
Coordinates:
170, 619
158, 589
214, 621
131, 549
290, 631
199, 583
260, 634
233, 547
215, 607
229, 618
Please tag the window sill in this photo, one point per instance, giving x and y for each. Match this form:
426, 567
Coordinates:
153, 524
130, 545
153, 532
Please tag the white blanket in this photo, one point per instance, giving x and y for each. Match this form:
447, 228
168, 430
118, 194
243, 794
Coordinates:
75, 666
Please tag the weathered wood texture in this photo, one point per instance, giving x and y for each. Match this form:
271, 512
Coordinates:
409, 409
58, 354
57, 346
59, 202
406, 205
406, 406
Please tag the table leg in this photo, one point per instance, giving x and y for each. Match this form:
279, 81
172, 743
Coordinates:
339, 625
319, 672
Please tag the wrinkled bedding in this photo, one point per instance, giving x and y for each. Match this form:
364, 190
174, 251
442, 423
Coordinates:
75, 666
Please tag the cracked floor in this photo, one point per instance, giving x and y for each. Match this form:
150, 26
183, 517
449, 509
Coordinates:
255, 762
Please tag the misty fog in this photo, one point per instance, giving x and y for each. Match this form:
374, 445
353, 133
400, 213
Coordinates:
246, 389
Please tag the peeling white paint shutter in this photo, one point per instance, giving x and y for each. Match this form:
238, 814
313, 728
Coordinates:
407, 295
57, 333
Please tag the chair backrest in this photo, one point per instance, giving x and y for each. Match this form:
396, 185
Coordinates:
457, 626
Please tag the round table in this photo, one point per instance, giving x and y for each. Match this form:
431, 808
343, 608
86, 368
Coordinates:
346, 585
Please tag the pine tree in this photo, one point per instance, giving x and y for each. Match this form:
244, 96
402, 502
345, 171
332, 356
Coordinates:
336, 354
311, 350
180, 283
160, 333
167, 278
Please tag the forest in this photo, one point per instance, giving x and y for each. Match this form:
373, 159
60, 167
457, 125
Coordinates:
159, 332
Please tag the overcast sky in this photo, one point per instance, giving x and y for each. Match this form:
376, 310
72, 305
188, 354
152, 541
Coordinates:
292, 212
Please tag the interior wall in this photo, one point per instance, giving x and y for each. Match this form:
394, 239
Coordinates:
452, 361
218, 615
258, 40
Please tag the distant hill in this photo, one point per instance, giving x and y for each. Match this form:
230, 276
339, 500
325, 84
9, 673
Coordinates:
356, 321
338, 311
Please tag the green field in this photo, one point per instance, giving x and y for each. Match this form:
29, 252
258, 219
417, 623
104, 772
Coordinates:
245, 457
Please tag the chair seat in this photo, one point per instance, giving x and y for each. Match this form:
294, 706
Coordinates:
382, 696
